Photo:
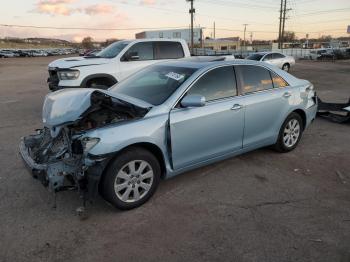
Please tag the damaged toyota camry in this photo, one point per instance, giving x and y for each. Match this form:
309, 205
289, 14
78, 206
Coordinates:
164, 120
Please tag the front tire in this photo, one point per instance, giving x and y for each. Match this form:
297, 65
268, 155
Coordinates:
131, 179
290, 133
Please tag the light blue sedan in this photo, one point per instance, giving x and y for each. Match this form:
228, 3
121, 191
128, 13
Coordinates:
164, 120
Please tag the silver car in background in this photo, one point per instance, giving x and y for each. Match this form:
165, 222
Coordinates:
282, 61
166, 119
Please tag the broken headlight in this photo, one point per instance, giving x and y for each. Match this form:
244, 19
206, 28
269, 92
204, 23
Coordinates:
68, 74
89, 142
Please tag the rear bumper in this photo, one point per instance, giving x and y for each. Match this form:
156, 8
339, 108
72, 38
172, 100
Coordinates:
311, 112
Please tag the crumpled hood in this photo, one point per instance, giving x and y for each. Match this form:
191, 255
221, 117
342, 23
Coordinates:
73, 62
67, 105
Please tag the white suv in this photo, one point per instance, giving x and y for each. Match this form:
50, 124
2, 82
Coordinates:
114, 63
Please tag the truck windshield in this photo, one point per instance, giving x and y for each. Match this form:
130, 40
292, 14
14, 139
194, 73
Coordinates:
154, 84
113, 50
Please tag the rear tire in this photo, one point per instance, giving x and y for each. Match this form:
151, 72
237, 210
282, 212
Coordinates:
290, 133
286, 67
131, 179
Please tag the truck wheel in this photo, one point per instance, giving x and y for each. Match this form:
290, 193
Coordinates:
131, 179
290, 133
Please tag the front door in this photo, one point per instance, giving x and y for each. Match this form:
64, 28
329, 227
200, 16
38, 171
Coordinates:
202, 133
136, 58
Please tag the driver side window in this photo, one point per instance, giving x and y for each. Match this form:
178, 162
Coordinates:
216, 84
140, 52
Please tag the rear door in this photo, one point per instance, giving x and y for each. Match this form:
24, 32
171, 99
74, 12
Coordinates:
267, 100
279, 59
202, 133
270, 59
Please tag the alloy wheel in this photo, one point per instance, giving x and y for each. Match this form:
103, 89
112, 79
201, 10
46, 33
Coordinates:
133, 181
291, 133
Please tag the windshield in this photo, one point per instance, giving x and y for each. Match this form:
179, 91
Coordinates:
256, 57
113, 50
154, 84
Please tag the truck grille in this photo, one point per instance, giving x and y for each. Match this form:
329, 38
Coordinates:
53, 79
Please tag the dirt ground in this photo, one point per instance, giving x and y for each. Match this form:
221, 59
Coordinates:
261, 206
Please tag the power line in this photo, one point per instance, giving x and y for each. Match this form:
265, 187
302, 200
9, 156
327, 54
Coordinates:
325, 11
88, 28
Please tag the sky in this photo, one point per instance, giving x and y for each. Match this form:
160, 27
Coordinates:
75, 19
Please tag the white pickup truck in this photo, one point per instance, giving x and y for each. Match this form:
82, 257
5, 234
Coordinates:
114, 63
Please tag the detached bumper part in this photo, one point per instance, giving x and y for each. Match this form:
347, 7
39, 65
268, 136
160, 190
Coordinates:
336, 112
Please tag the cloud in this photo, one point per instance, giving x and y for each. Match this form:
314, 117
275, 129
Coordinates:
55, 7
65, 8
99, 9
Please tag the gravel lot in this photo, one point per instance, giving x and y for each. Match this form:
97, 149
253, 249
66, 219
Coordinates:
261, 206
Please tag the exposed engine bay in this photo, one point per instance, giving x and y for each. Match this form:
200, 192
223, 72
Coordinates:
58, 155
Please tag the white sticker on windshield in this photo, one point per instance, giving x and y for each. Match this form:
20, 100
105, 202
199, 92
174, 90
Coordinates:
175, 76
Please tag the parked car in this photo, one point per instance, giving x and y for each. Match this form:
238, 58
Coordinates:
277, 59
114, 63
6, 54
322, 54
162, 121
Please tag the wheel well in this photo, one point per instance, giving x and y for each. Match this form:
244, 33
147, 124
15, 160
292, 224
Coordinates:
302, 114
155, 150
101, 80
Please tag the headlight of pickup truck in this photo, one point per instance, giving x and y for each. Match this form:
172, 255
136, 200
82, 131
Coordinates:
68, 74
89, 142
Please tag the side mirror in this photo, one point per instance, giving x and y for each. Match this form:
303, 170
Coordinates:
193, 101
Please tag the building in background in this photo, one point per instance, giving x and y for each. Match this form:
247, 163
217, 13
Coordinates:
174, 33
222, 44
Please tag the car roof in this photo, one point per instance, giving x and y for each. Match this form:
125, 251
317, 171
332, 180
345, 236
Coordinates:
266, 52
207, 63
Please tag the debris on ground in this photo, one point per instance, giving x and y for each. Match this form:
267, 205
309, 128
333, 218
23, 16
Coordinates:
336, 112
341, 176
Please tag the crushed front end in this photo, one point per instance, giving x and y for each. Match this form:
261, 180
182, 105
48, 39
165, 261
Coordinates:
59, 161
58, 154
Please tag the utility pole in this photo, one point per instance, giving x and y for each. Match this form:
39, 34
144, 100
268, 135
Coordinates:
280, 27
283, 22
214, 36
245, 29
192, 11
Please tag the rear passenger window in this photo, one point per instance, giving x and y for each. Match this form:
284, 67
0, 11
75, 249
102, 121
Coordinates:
215, 84
278, 82
277, 56
254, 78
168, 50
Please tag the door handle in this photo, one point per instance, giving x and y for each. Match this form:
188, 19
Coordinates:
287, 94
236, 107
